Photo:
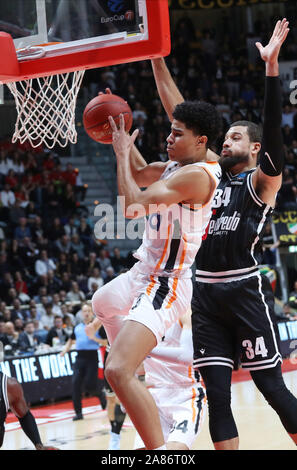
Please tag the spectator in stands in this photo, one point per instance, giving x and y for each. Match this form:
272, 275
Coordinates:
286, 196
90, 263
70, 227
10, 339
33, 314
19, 325
53, 282
47, 320
67, 311
51, 203
7, 201
62, 265
56, 305
69, 175
28, 340
6, 314
91, 292
57, 335
104, 261
5, 164
4, 265
95, 278
55, 230
37, 229
11, 179
77, 246
40, 332
63, 245
11, 296
44, 264
75, 294
76, 266
68, 201
85, 233
117, 260
24, 255
288, 116
20, 284
22, 230
68, 325
18, 311
110, 274
65, 282
6, 283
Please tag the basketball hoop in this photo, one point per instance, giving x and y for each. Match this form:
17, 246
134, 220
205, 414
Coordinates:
45, 105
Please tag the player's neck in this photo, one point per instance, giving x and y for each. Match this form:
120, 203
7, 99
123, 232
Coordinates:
237, 169
200, 156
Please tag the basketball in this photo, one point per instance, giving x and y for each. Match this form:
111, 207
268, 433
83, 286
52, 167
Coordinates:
95, 116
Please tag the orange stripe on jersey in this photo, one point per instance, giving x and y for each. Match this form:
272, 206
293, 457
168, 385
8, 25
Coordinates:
174, 296
180, 323
175, 281
153, 281
190, 374
164, 250
193, 405
151, 285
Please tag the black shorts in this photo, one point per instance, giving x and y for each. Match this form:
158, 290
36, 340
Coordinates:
233, 320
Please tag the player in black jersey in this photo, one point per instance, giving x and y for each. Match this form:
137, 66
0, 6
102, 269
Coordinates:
12, 397
233, 304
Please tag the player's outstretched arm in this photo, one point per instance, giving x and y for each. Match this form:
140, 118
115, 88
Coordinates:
267, 179
20, 408
166, 86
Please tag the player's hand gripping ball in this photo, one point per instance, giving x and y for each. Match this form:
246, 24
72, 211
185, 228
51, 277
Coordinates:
95, 116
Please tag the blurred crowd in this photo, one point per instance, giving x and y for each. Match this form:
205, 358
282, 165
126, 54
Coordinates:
49, 260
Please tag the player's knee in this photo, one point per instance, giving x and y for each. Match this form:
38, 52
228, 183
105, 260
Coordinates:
116, 374
218, 398
272, 386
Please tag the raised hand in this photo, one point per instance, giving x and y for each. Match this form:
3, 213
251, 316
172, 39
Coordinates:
270, 52
122, 141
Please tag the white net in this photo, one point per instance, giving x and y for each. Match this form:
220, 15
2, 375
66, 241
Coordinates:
46, 109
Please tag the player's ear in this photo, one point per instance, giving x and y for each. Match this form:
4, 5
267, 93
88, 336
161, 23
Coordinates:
201, 140
256, 147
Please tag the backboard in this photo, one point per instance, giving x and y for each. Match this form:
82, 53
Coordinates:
78, 35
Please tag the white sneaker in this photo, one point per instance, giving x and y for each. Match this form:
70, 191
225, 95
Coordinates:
114, 442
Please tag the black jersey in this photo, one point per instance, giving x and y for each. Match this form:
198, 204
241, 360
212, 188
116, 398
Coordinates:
232, 246
4, 406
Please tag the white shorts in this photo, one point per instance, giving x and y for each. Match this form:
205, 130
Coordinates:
155, 301
181, 411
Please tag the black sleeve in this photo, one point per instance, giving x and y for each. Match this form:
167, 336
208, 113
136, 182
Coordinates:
272, 151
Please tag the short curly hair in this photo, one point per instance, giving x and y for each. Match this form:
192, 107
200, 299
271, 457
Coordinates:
200, 117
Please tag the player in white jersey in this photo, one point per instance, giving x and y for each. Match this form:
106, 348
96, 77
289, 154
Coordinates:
158, 289
175, 387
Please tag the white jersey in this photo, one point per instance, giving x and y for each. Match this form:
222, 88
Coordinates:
173, 236
159, 373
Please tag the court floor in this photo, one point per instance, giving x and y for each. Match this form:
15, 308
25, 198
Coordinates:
259, 427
